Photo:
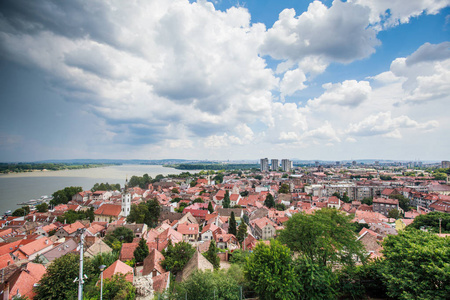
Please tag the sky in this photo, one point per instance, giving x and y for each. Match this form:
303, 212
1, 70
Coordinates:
225, 79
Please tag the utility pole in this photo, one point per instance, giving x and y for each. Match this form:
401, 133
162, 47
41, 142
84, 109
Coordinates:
80, 278
440, 229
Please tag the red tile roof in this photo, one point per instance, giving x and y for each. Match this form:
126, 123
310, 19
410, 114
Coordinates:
121, 268
127, 251
109, 210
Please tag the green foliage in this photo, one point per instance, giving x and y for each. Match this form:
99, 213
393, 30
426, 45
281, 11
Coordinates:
211, 255
193, 183
214, 166
269, 202
20, 212
105, 187
244, 193
367, 201
65, 195
28, 167
280, 206
284, 189
242, 232
118, 236
222, 284
232, 224
181, 207
430, 221
239, 257
285, 175
210, 208
403, 202
218, 178
175, 191
198, 200
385, 177
226, 200
394, 213
141, 252
43, 207
71, 216
359, 226
118, 288
141, 182
177, 256
439, 176
145, 213
270, 272
345, 198
327, 236
416, 265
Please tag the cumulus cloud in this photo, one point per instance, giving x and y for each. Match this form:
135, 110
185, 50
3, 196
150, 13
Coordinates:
384, 124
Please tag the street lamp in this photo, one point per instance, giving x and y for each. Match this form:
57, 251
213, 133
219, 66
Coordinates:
102, 268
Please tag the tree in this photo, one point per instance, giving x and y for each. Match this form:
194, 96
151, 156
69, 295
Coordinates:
394, 213
210, 208
280, 206
367, 201
430, 221
65, 195
284, 189
43, 207
326, 236
198, 200
118, 288
439, 176
416, 265
175, 191
403, 202
346, 198
176, 257
146, 212
20, 212
232, 224
269, 202
118, 236
270, 272
242, 232
105, 187
58, 282
226, 200
211, 255
141, 252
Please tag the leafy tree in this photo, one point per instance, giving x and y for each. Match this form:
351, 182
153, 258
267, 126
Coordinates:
346, 198
146, 212
403, 202
270, 272
284, 189
175, 191
118, 236
211, 255
244, 193
20, 212
65, 195
58, 282
439, 176
181, 207
71, 216
258, 177
242, 232
210, 208
394, 213
105, 187
367, 201
285, 175
269, 202
43, 207
430, 221
280, 206
360, 226
118, 288
416, 265
326, 236
218, 178
193, 183
239, 256
176, 257
226, 200
232, 224
198, 200
141, 252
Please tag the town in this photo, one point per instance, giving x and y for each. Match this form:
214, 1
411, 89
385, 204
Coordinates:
150, 237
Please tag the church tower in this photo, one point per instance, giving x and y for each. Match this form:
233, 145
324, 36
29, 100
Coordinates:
126, 200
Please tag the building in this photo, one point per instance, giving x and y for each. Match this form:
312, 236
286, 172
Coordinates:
126, 204
108, 213
383, 206
275, 165
264, 164
445, 164
286, 165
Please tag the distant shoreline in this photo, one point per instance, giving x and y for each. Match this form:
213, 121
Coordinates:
24, 168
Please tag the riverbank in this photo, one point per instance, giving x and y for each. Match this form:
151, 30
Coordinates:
8, 168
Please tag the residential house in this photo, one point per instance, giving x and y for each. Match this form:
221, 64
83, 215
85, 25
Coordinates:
384, 205
58, 251
31, 250
189, 231
118, 267
21, 281
152, 264
69, 229
127, 251
263, 228
108, 213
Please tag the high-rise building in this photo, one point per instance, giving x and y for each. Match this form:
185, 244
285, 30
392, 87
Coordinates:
445, 164
274, 166
286, 165
264, 164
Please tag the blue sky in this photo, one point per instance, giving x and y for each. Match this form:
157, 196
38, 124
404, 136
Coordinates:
328, 80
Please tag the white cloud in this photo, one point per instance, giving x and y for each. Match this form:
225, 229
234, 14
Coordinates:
292, 82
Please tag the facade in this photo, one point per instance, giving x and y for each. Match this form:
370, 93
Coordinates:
286, 165
383, 206
275, 165
126, 204
264, 164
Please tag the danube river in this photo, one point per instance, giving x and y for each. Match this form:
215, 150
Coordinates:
20, 187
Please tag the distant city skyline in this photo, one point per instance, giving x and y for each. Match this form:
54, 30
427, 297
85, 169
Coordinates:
225, 80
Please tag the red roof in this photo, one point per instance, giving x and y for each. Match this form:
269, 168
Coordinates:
127, 251
26, 279
109, 210
187, 228
197, 213
119, 267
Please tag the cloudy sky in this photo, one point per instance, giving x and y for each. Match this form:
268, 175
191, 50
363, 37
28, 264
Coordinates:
225, 79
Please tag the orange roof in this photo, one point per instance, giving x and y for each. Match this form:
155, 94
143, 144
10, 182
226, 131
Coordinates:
109, 210
160, 282
25, 281
127, 251
5, 260
71, 228
152, 262
13, 246
119, 267
35, 246
187, 228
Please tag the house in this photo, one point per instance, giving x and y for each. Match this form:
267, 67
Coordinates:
384, 205
226, 241
118, 267
58, 251
440, 205
127, 251
263, 228
161, 282
101, 195
189, 232
21, 281
218, 197
370, 243
334, 202
45, 230
108, 213
99, 246
69, 230
152, 264
31, 250
197, 263
207, 233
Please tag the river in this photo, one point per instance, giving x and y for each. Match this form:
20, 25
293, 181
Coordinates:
19, 187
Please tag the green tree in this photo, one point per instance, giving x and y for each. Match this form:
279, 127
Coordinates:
284, 189
176, 257
211, 255
403, 202
430, 221
175, 191
269, 202
226, 200
270, 272
58, 282
210, 208
218, 178
141, 252
416, 265
118, 288
146, 212
232, 224
118, 236
198, 200
326, 236
43, 207
367, 201
242, 232
65, 195
239, 257
439, 176
71, 216
280, 206
394, 213
346, 198
20, 212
